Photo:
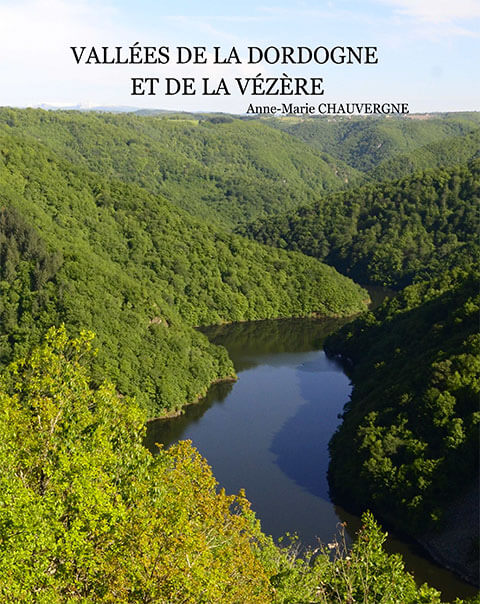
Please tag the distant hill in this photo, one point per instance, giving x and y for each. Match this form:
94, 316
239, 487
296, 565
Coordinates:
97, 253
364, 143
389, 233
446, 152
82, 107
216, 168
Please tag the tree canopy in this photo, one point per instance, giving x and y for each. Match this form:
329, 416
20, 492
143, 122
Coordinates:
408, 442
87, 514
391, 233
101, 254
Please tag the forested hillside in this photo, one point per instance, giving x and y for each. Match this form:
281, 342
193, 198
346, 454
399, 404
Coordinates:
450, 151
109, 256
223, 170
408, 443
88, 515
390, 233
364, 143
123, 226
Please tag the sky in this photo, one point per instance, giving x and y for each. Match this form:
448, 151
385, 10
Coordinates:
428, 51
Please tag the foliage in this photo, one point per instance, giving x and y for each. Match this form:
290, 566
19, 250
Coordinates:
87, 514
446, 152
140, 272
390, 233
220, 170
408, 442
365, 143
367, 574
120, 224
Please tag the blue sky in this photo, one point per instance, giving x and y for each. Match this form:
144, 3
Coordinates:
428, 50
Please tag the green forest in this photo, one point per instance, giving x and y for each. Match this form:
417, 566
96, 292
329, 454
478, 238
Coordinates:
120, 236
390, 233
391, 148
141, 273
412, 422
223, 171
87, 514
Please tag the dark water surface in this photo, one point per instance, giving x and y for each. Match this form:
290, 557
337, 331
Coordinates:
268, 433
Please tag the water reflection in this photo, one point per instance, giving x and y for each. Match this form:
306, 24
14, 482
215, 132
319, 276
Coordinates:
301, 445
168, 431
250, 342
269, 433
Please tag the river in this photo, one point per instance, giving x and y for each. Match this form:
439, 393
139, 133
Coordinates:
268, 433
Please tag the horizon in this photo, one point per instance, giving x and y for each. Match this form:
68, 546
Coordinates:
427, 51
119, 109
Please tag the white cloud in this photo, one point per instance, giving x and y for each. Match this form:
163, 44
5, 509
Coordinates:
38, 26
437, 11
36, 62
37, 65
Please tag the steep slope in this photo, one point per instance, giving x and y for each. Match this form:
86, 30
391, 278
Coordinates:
140, 272
408, 442
450, 151
221, 170
389, 233
365, 142
88, 515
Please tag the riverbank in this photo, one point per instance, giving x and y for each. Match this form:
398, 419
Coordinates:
209, 331
198, 399
269, 433
455, 546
